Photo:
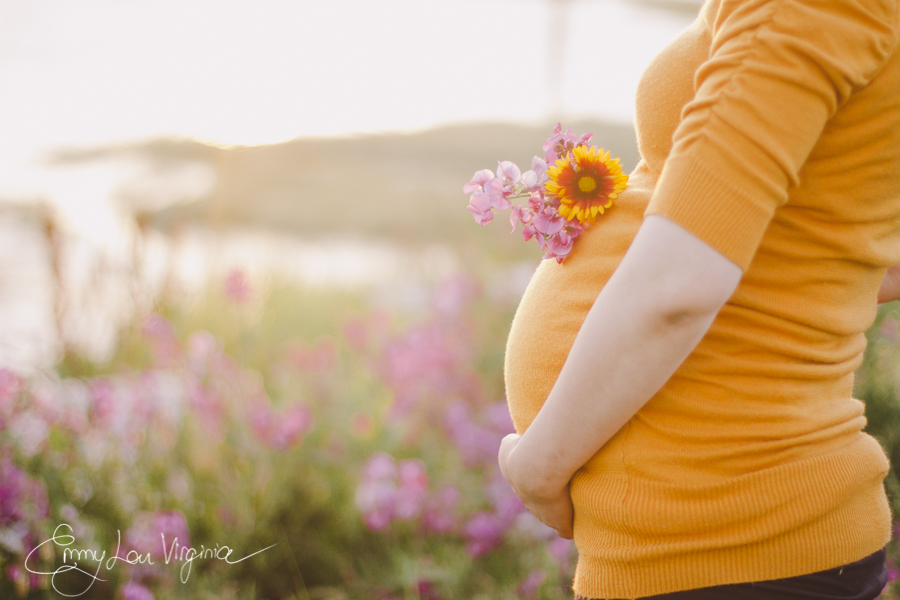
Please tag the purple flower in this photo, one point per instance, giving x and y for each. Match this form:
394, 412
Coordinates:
23, 500
377, 491
12, 483
439, 509
477, 443
562, 551
426, 590
529, 588
155, 534
135, 591
483, 532
412, 489
283, 431
389, 491
103, 400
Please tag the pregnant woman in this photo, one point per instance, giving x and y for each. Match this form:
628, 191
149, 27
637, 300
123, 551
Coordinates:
682, 382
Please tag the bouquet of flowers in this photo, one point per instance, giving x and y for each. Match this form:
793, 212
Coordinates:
565, 191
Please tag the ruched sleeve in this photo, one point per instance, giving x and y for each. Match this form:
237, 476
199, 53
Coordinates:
777, 71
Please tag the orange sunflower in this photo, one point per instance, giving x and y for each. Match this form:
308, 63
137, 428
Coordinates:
586, 181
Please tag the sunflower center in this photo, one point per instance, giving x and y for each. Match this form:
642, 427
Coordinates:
586, 183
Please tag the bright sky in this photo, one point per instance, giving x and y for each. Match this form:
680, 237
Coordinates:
95, 71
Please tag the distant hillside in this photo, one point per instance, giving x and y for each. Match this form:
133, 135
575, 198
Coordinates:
405, 186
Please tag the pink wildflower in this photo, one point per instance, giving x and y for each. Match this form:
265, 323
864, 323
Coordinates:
541, 218
23, 500
377, 490
529, 588
562, 551
508, 173
135, 591
389, 491
280, 431
439, 509
476, 443
483, 532
103, 401
292, 425
477, 182
237, 287
153, 533
148, 528
481, 208
426, 590
560, 144
411, 491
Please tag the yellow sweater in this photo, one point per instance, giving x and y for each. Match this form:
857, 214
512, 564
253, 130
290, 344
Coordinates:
771, 130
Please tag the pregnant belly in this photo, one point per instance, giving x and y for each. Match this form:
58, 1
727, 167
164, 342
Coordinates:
557, 301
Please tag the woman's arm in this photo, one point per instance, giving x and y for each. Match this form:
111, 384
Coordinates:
651, 314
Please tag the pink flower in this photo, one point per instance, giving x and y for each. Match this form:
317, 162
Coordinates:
540, 217
549, 225
237, 287
23, 500
480, 206
520, 214
376, 492
476, 184
559, 245
559, 144
291, 426
497, 417
103, 401
497, 192
439, 509
412, 489
389, 491
148, 528
153, 533
476, 443
425, 590
135, 591
280, 431
530, 587
562, 551
508, 173
483, 532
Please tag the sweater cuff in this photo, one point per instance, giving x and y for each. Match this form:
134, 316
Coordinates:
717, 211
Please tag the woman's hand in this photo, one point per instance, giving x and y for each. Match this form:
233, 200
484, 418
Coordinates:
548, 501
890, 286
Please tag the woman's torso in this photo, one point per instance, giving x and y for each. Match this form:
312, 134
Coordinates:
766, 398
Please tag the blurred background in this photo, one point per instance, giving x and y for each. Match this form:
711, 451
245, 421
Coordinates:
242, 301
332, 128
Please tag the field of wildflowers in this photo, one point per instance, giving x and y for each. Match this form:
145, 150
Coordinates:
285, 443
